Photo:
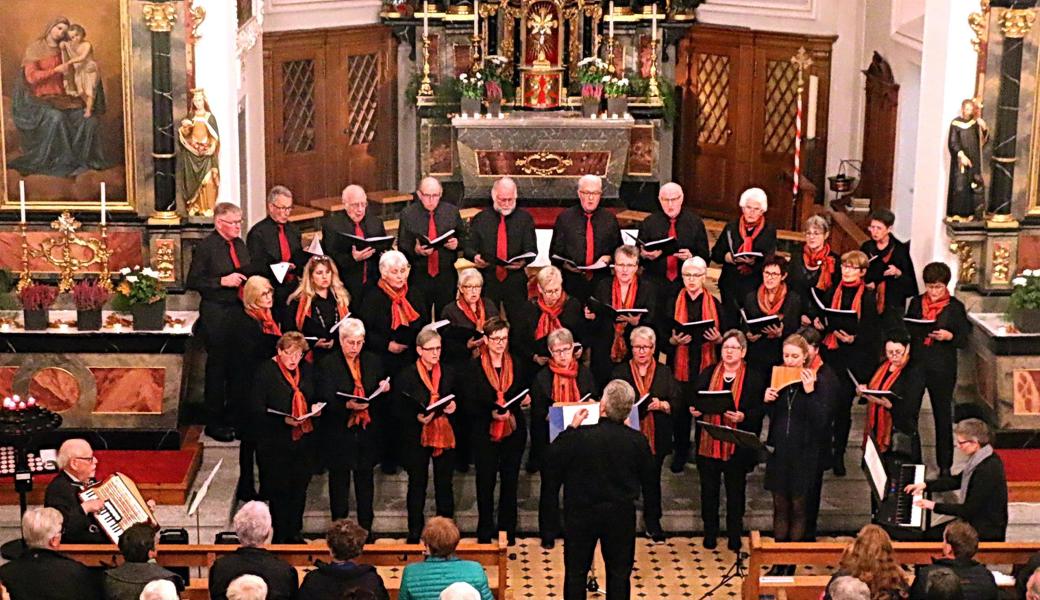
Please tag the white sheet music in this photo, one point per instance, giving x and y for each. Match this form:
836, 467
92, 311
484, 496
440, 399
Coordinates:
875, 468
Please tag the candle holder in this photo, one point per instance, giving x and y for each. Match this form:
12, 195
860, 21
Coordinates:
425, 88
67, 263
24, 279
475, 54
105, 278
653, 90
610, 54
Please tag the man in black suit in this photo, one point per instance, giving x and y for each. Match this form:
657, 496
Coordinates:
219, 267
672, 221
585, 234
274, 240
41, 573
433, 271
358, 267
602, 468
78, 465
252, 523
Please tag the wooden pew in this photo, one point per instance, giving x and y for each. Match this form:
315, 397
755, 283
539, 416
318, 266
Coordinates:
493, 557
765, 553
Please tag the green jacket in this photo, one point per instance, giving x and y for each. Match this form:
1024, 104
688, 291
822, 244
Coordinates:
426, 580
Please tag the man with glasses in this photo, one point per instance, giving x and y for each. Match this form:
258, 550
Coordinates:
685, 226
220, 265
498, 234
274, 240
585, 235
358, 267
433, 267
78, 466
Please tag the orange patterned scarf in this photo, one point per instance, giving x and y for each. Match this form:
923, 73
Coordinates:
358, 417
549, 320
770, 304
478, 317
565, 382
709, 446
930, 310
299, 401
682, 353
879, 418
401, 310
747, 240
618, 348
267, 323
822, 260
643, 384
501, 384
436, 434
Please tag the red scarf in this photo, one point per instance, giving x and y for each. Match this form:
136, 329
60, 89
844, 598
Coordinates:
358, 417
477, 318
882, 285
565, 382
682, 353
267, 324
770, 304
821, 260
299, 401
303, 309
436, 434
500, 383
618, 348
747, 240
831, 341
816, 363
930, 310
879, 418
401, 311
709, 446
549, 320
643, 383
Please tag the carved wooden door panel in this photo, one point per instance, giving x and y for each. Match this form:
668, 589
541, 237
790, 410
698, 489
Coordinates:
879, 134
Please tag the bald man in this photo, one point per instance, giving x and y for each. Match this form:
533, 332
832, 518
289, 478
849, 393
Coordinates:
433, 267
586, 235
358, 267
671, 221
497, 234
78, 466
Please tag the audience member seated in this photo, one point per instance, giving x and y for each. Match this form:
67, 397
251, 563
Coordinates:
960, 542
870, 559
78, 466
247, 587
426, 580
847, 587
253, 525
1032, 587
346, 540
41, 573
943, 584
460, 591
128, 580
160, 589
1023, 575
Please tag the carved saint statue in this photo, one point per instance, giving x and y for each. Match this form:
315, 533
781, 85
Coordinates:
199, 173
968, 134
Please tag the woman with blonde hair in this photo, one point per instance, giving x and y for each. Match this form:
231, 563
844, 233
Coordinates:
320, 302
871, 559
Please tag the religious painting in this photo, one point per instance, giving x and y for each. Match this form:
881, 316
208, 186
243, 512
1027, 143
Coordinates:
543, 41
1027, 392
440, 156
462, 58
65, 121
641, 151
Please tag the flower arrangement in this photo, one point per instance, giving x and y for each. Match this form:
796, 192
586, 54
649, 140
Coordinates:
88, 295
471, 85
496, 78
38, 296
591, 72
1025, 293
615, 87
140, 286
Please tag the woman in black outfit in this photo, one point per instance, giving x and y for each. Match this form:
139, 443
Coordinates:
773, 297
653, 380
827, 389
317, 305
349, 430
286, 442
499, 436
718, 461
889, 417
797, 412
749, 233
255, 334
817, 268
549, 310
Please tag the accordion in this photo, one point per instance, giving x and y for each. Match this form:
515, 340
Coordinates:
124, 505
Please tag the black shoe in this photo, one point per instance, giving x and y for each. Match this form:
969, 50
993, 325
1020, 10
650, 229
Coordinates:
945, 473
483, 539
677, 464
548, 543
462, 468
246, 495
388, 468
710, 542
296, 539
511, 539
413, 538
657, 536
789, 571
221, 434
839, 466
371, 539
531, 468
734, 544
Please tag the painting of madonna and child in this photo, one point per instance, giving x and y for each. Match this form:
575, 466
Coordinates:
65, 126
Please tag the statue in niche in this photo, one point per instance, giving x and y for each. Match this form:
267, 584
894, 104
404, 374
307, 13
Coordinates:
199, 174
968, 134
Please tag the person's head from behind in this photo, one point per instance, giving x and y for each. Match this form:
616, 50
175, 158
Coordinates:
870, 558
252, 523
1033, 586
247, 587
440, 536
943, 584
960, 540
346, 539
460, 590
616, 404
160, 589
41, 528
848, 588
137, 544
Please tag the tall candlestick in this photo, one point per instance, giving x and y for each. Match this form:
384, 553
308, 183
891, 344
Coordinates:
476, 18
610, 24
653, 21
21, 198
814, 91
426, 18
102, 203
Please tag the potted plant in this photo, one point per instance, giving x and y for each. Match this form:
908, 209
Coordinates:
472, 89
616, 90
496, 82
145, 295
591, 72
89, 297
1024, 305
37, 299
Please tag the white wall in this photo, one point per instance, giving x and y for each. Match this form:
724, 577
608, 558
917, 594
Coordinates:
296, 15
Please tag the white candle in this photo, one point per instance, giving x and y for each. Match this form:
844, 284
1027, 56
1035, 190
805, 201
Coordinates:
426, 18
814, 92
653, 21
103, 203
610, 24
21, 198
476, 18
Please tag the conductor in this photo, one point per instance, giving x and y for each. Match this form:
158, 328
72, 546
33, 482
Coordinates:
603, 469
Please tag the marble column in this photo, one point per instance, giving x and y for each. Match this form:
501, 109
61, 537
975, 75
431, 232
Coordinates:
160, 18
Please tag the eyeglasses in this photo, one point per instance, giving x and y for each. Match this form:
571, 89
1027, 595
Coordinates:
772, 274
694, 275
895, 352
430, 348
848, 266
671, 199
498, 338
589, 193
431, 196
961, 443
267, 293
643, 347
470, 287
237, 223
624, 266
291, 354
753, 209
89, 459
732, 348
562, 349
280, 207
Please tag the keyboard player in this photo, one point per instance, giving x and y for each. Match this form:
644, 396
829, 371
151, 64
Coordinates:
981, 486
78, 467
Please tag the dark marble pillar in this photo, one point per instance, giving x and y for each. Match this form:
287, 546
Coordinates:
160, 17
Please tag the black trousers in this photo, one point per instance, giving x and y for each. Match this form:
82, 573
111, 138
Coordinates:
712, 473
216, 403
539, 438
653, 525
812, 506
682, 420
417, 463
614, 527
285, 473
511, 293
364, 493
438, 291
940, 385
842, 423
246, 468
501, 461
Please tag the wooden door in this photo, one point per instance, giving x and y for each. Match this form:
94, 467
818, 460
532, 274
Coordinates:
879, 134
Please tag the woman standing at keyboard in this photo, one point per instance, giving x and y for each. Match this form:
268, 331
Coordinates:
318, 304
892, 420
282, 397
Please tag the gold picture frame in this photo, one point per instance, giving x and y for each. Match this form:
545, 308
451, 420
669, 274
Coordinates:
25, 37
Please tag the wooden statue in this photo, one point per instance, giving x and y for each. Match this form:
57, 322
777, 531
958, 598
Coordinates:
966, 193
198, 154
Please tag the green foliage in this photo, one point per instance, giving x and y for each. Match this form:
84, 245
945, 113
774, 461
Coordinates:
6, 281
615, 87
666, 87
1026, 292
140, 286
471, 85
